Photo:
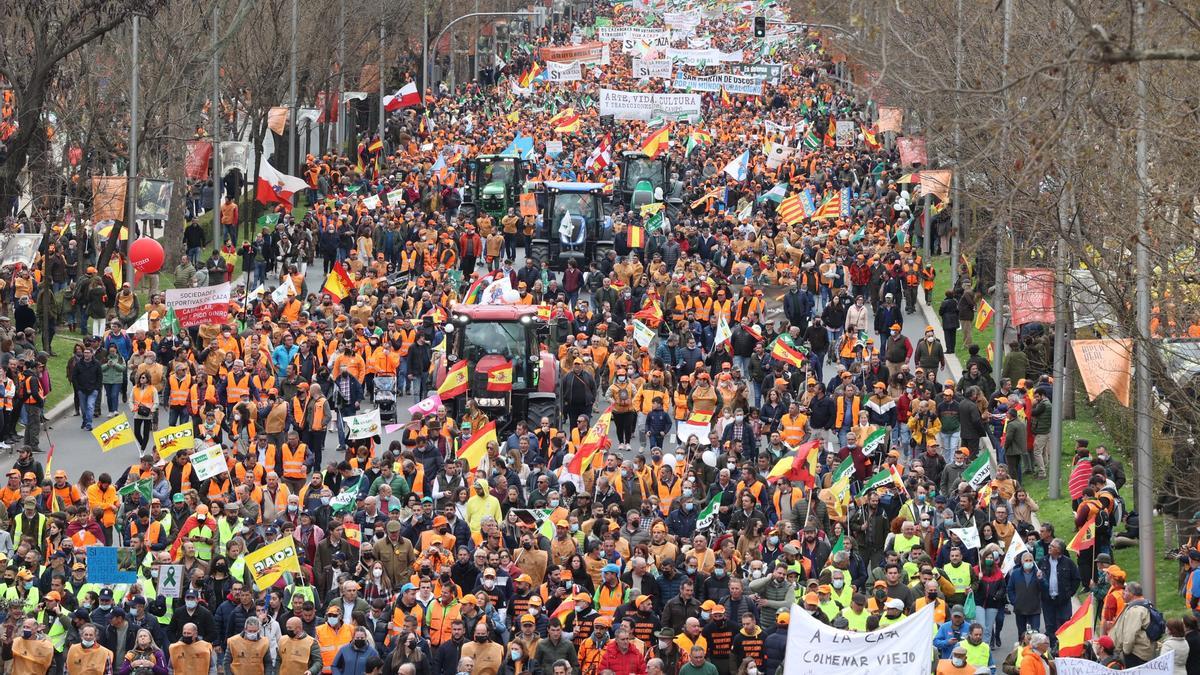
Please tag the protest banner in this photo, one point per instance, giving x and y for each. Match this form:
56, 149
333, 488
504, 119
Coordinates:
890, 119
651, 68
643, 334
912, 151
560, 71
170, 581
903, 648
586, 53
1164, 664
633, 105
104, 566
846, 132
704, 57
114, 433
364, 425
1105, 366
198, 160
108, 198
173, 439
769, 72
196, 306
268, 563
747, 85
153, 200
209, 462
19, 248
1031, 295
936, 183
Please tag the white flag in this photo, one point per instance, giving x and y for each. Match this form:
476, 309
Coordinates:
968, 535
280, 294
1013, 554
723, 332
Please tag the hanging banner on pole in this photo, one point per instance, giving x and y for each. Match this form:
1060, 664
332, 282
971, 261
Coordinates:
235, 155
196, 306
154, 198
108, 198
912, 151
903, 648
890, 119
1031, 295
198, 160
1105, 366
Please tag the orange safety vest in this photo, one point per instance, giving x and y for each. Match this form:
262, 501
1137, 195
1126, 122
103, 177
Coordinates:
841, 410
180, 390
318, 422
235, 389
145, 396
331, 640
293, 462
609, 599
702, 307
791, 429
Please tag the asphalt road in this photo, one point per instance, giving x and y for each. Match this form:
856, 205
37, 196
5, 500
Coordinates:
76, 450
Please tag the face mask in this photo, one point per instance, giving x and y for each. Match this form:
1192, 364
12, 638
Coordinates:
1028, 566
691, 569
188, 639
360, 643
921, 498
718, 572
515, 655
481, 639
664, 644
574, 527
27, 634
133, 611
839, 584
292, 508
774, 540
333, 621
106, 606
533, 611
688, 493
87, 644
689, 506
251, 635
730, 465
28, 584
554, 503
489, 584
190, 604
958, 663
704, 616
756, 573
739, 418
377, 572
931, 594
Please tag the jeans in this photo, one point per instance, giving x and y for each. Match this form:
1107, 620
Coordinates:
260, 272
949, 443
230, 234
87, 403
1025, 621
902, 438
112, 392
817, 361
742, 363
987, 618
1056, 613
193, 255
177, 415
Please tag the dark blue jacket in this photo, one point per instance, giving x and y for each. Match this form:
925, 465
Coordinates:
1068, 579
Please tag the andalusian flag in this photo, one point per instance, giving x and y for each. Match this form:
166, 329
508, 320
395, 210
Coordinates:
655, 222
500, 378
1077, 631
144, 487
881, 479
787, 353
983, 316
724, 333
593, 442
476, 447
800, 467
636, 236
455, 382
839, 545
876, 443
338, 283
709, 513
656, 142
977, 473
1085, 538
811, 140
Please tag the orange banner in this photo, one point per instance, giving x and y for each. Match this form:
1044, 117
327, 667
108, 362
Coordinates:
936, 183
890, 119
277, 119
1031, 295
108, 198
1104, 365
587, 52
912, 151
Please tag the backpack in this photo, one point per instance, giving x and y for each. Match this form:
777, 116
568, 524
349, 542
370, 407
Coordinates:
1158, 625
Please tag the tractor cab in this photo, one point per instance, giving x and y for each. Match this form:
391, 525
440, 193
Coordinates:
496, 183
573, 225
645, 180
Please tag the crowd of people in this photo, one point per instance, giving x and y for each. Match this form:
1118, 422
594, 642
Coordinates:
663, 555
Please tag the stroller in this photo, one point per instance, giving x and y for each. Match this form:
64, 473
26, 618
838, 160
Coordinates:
385, 397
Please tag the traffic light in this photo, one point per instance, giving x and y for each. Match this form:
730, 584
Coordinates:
760, 26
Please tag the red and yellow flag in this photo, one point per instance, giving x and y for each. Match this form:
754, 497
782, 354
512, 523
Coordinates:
338, 283
593, 442
788, 354
802, 466
353, 534
500, 378
636, 236
832, 208
455, 382
790, 210
1085, 538
983, 316
476, 446
656, 142
1077, 631
651, 314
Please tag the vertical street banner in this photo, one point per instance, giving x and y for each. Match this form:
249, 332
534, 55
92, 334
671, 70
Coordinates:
1031, 295
235, 155
153, 198
198, 160
108, 198
1105, 366
846, 132
912, 151
196, 306
890, 119
903, 648
936, 183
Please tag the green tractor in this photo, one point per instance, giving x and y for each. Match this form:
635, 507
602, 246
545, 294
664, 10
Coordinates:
496, 184
572, 225
646, 180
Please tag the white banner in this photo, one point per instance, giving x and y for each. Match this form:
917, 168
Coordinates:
643, 334
969, 536
749, 85
280, 294
682, 20
209, 462
651, 68
364, 425
684, 429
1165, 663
703, 57
1015, 548
564, 72
633, 105
903, 648
846, 134
631, 35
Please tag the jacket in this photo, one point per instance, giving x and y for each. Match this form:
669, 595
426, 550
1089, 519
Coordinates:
87, 376
351, 660
1068, 579
1129, 632
629, 662
1024, 592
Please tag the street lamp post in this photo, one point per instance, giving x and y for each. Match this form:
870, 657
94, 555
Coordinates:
425, 45
131, 189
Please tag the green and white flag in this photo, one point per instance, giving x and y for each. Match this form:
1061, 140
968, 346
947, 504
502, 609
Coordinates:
144, 487
978, 472
171, 322
845, 470
876, 443
839, 545
268, 219
709, 515
655, 222
881, 479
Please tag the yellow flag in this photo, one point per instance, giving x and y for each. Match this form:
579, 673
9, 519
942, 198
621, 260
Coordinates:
269, 563
114, 433
114, 266
514, 116
173, 439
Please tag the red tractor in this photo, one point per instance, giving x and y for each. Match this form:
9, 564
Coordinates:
488, 336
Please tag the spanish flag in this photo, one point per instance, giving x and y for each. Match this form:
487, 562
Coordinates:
870, 138
788, 354
338, 283
1077, 631
984, 315
656, 142
636, 236
595, 440
376, 146
354, 535
801, 467
831, 133
455, 382
530, 75
651, 314
726, 100
1085, 538
475, 447
500, 378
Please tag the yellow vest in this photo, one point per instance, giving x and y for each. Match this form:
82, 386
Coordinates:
294, 654
959, 575
902, 544
246, 656
31, 657
857, 622
977, 655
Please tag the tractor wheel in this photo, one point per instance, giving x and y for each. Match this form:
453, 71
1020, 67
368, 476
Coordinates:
601, 252
542, 407
539, 252
470, 211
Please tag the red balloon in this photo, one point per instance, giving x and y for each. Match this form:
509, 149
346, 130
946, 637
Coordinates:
146, 255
